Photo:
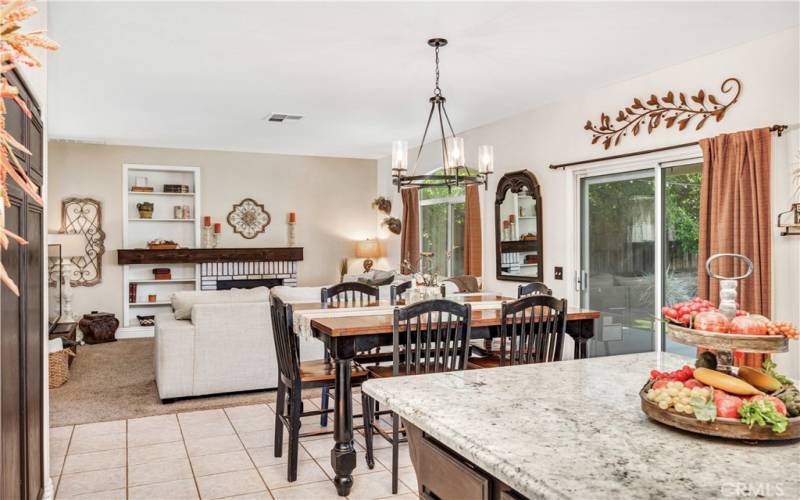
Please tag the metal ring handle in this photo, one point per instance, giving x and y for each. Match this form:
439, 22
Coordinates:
734, 255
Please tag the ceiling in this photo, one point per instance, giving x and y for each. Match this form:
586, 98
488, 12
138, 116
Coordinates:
204, 74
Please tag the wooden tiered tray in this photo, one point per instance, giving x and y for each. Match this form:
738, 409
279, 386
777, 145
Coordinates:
728, 341
721, 427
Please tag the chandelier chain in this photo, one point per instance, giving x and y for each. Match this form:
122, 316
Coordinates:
436, 89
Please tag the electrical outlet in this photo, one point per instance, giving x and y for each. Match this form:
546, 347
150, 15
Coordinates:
559, 274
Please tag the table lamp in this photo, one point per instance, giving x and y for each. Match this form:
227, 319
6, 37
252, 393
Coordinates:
368, 250
72, 245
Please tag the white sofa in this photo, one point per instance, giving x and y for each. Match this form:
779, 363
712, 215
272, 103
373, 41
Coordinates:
221, 341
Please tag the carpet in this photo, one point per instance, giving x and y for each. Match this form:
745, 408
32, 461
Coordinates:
116, 380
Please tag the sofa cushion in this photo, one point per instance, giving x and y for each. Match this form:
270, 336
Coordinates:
297, 293
182, 302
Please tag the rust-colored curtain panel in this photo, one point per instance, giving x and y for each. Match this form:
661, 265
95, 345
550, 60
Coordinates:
473, 246
735, 218
409, 236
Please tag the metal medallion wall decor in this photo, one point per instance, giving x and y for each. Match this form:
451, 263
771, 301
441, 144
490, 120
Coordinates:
669, 109
248, 218
84, 216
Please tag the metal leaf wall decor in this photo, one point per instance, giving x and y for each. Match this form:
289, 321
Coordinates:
670, 109
84, 216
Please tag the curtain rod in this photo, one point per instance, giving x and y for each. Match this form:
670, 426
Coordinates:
775, 128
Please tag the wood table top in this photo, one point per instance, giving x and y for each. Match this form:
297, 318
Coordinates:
382, 322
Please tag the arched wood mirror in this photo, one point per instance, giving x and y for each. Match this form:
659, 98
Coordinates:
518, 227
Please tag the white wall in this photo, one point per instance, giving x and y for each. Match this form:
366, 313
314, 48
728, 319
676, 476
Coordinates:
768, 70
331, 196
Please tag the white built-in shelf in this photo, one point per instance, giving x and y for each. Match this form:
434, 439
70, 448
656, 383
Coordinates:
527, 265
527, 217
146, 304
173, 280
138, 219
158, 193
136, 232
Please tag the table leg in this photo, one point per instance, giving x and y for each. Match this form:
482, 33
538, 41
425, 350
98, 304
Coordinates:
343, 455
581, 331
580, 348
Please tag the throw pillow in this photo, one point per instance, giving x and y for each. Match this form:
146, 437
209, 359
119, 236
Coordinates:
378, 278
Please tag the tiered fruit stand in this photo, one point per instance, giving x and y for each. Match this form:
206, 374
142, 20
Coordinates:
724, 345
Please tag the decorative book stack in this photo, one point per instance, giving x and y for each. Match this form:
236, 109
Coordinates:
176, 188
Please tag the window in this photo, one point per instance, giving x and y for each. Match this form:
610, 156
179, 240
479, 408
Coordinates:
442, 229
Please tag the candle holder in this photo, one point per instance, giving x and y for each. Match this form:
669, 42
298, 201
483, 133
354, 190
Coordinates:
727, 296
290, 232
290, 236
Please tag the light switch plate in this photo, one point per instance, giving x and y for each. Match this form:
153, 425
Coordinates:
559, 273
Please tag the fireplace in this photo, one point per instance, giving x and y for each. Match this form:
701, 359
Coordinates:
228, 284
227, 275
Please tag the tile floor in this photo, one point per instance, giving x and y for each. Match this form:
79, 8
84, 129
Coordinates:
211, 454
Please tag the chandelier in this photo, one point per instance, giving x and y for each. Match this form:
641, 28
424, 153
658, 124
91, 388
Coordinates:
455, 172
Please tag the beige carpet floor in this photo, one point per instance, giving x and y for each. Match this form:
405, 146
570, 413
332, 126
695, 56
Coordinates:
116, 381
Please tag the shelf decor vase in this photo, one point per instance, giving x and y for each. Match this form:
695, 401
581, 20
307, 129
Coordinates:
421, 293
145, 210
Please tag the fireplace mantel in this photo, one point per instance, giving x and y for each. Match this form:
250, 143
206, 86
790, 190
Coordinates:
204, 255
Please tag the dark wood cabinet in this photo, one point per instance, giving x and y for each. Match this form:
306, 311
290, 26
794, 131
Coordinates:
22, 320
11, 424
443, 474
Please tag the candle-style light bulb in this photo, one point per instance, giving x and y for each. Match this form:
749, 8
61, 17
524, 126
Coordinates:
455, 153
486, 159
400, 156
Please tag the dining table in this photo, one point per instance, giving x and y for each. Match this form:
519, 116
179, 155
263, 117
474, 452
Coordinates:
347, 333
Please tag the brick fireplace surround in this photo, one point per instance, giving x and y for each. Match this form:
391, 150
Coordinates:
247, 274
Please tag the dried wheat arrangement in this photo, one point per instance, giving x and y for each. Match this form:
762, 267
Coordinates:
14, 45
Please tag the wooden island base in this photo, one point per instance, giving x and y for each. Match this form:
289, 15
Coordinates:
444, 474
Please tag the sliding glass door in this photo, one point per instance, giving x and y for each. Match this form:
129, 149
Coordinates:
680, 234
639, 235
618, 260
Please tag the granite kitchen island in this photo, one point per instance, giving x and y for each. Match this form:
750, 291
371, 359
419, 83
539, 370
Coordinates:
573, 429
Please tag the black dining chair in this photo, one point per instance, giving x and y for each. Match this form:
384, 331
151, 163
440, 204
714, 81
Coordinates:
428, 337
293, 377
396, 291
532, 330
488, 347
535, 288
348, 294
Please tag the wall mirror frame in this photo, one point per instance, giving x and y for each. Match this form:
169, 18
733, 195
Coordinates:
517, 214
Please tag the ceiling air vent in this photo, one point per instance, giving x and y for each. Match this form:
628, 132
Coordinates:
281, 117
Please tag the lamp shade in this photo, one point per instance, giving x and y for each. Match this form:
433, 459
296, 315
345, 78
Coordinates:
72, 245
368, 249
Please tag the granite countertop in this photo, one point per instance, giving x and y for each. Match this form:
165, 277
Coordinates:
574, 429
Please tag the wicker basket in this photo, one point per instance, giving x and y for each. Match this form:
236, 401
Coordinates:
58, 367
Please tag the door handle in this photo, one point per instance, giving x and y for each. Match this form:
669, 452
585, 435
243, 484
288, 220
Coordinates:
581, 279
